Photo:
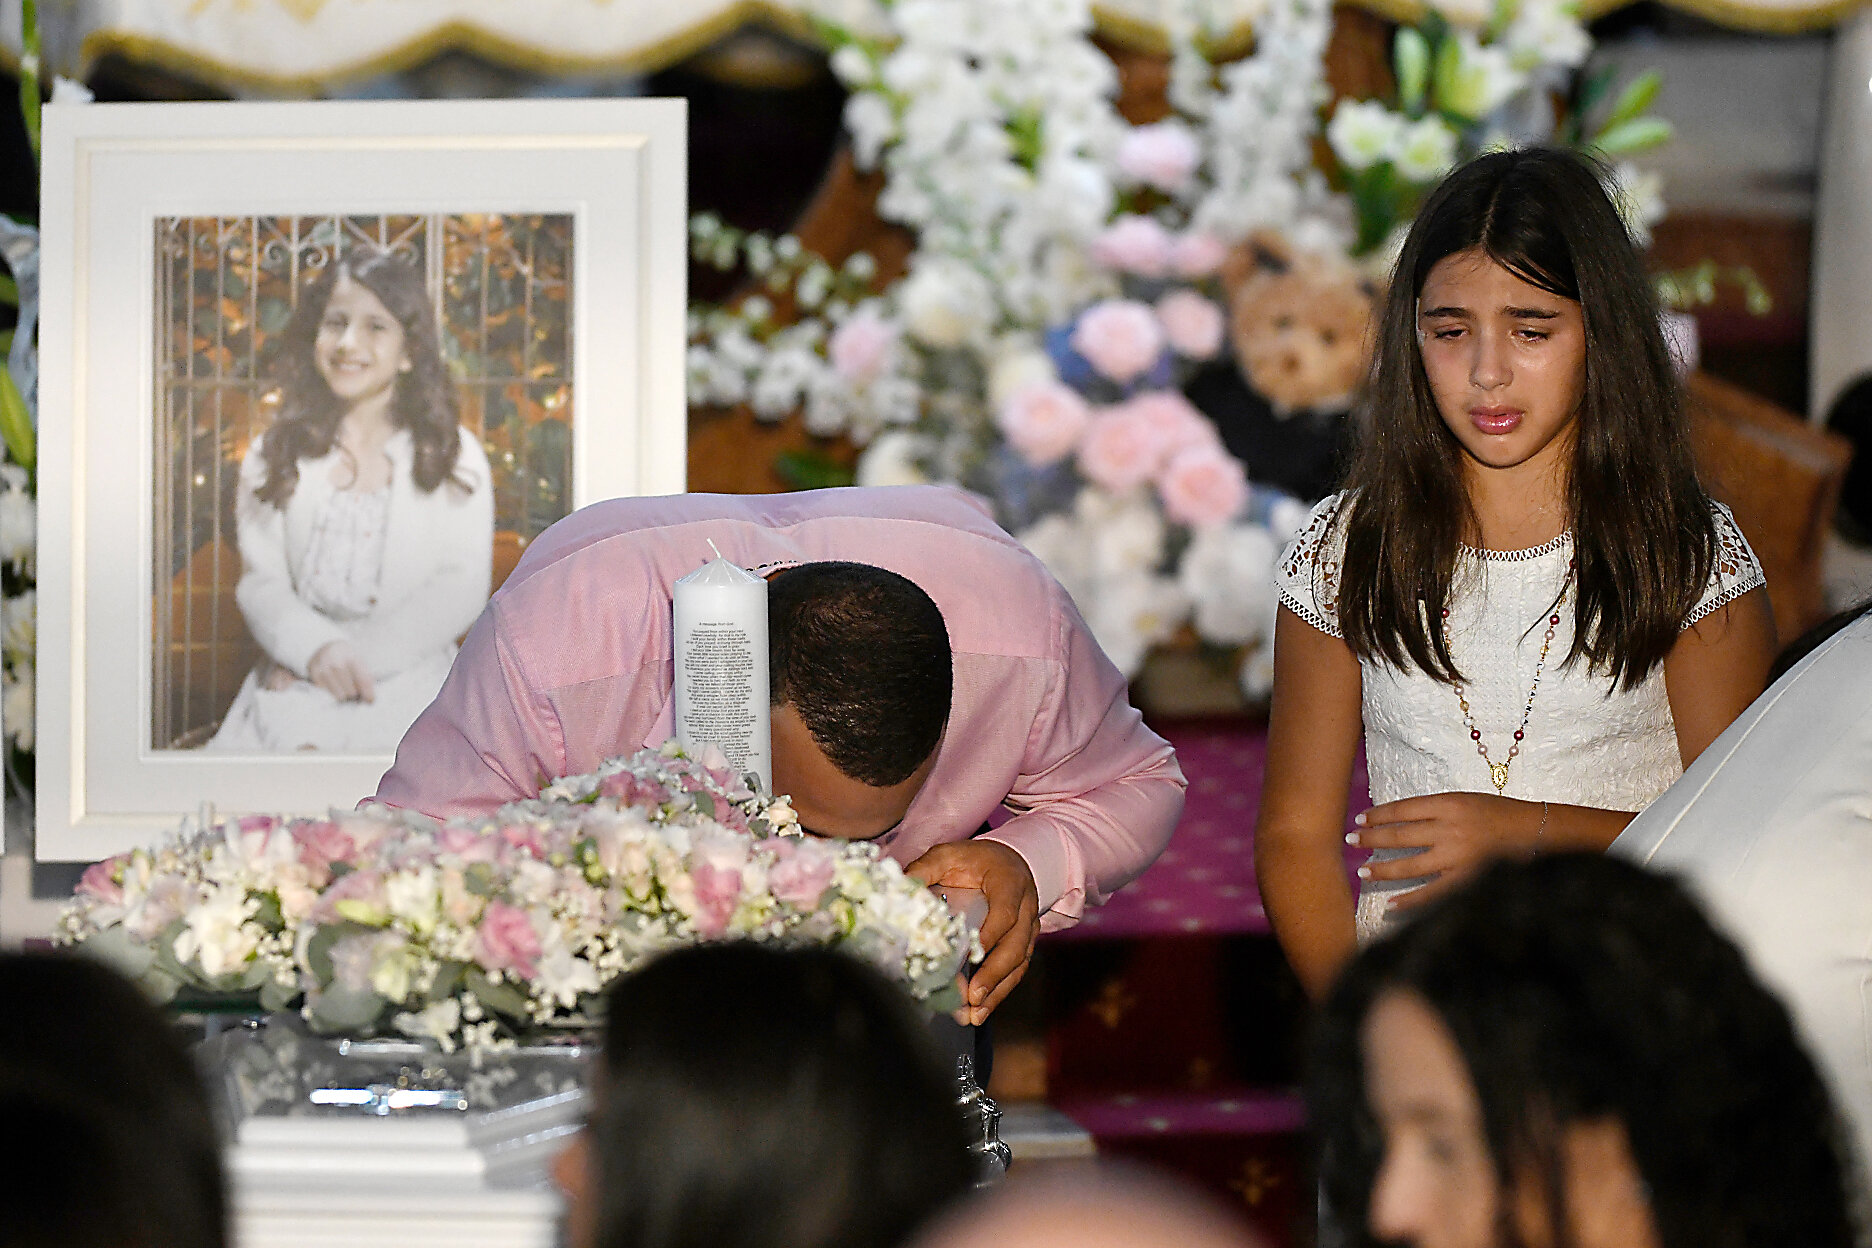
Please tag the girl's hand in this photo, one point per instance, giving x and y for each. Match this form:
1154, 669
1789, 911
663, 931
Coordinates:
1458, 833
338, 671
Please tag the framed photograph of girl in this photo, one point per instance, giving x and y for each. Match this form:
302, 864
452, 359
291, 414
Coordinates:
312, 378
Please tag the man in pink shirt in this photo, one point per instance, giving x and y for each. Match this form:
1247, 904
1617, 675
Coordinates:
571, 663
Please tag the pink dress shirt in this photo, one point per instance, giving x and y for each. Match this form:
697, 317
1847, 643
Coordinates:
571, 663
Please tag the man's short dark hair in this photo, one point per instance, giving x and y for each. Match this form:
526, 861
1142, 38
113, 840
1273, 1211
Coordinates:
863, 657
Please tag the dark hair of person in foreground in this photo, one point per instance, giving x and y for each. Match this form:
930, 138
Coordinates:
751, 1097
862, 655
1583, 990
114, 1144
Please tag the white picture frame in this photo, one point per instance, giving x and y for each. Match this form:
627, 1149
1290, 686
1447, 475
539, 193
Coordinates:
617, 167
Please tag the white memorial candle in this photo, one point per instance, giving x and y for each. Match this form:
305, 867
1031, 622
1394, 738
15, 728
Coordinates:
720, 615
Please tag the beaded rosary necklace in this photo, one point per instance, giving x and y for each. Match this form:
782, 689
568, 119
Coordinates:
1498, 772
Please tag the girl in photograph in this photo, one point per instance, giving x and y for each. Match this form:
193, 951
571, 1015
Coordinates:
1565, 1053
1524, 596
365, 519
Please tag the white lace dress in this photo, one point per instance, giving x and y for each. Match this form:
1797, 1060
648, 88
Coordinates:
1587, 742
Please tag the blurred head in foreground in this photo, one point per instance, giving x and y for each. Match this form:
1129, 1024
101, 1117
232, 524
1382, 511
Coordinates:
750, 1097
1565, 1054
115, 1145
1099, 1206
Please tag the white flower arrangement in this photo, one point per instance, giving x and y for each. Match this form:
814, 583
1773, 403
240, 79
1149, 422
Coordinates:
478, 932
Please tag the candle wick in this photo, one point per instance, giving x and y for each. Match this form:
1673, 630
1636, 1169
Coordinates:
713, 547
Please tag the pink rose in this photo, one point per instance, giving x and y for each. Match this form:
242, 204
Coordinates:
1164, 155
631, 791
801, 873
1133, 244
1196, 254
100, 880
525, 838
321, 843
1192, 324
1120, 338
717, 890
1203, 487
506, 941
465, 842
1123, 450
356, 895
1175, 421
1044, 422
860, 348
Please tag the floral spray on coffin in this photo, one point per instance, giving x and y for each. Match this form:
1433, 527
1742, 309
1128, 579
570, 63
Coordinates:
477, 933
453, 941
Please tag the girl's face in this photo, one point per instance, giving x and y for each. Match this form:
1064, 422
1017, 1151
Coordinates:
359, 349
1437, 1186
1506, 361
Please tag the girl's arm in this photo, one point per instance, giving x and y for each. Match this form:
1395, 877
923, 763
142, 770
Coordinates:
1718, 666
1313, 733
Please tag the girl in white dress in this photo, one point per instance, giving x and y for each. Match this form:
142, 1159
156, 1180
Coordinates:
365, 519
1524, 596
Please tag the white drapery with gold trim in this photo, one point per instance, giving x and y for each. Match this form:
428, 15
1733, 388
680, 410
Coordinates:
297, 45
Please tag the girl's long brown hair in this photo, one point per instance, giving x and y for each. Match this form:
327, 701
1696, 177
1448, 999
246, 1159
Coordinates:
1643, 536
424, 402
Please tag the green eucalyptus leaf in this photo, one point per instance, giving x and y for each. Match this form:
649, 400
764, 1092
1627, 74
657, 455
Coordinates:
1638, 95
1410, 54
502, 998
1638, 135
945, 1000
275, 996
338, 1009
16, 428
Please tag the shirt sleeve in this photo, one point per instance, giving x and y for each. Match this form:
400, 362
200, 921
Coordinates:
1307, 575
1098, 794
486, 740
1735, 571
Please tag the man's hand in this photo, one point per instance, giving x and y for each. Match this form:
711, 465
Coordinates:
1013, 921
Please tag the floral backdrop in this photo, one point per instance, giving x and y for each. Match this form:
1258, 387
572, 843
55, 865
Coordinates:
1140, 341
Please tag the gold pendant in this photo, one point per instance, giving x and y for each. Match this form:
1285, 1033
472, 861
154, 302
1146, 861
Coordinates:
1498, 776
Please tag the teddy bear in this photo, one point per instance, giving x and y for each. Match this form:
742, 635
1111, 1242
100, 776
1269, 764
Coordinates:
1298, 323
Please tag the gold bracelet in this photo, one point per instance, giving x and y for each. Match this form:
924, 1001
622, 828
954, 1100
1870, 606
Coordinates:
1541, 830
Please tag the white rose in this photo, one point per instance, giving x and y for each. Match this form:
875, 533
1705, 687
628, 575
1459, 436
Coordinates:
1363, 133
1018, 368
1132, 612
945, 304
894, 458
1058, 543
1130, 540
1228, 573
215, 933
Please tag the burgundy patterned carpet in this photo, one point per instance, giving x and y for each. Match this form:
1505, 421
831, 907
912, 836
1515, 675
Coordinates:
1173, 1023
1205, 882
